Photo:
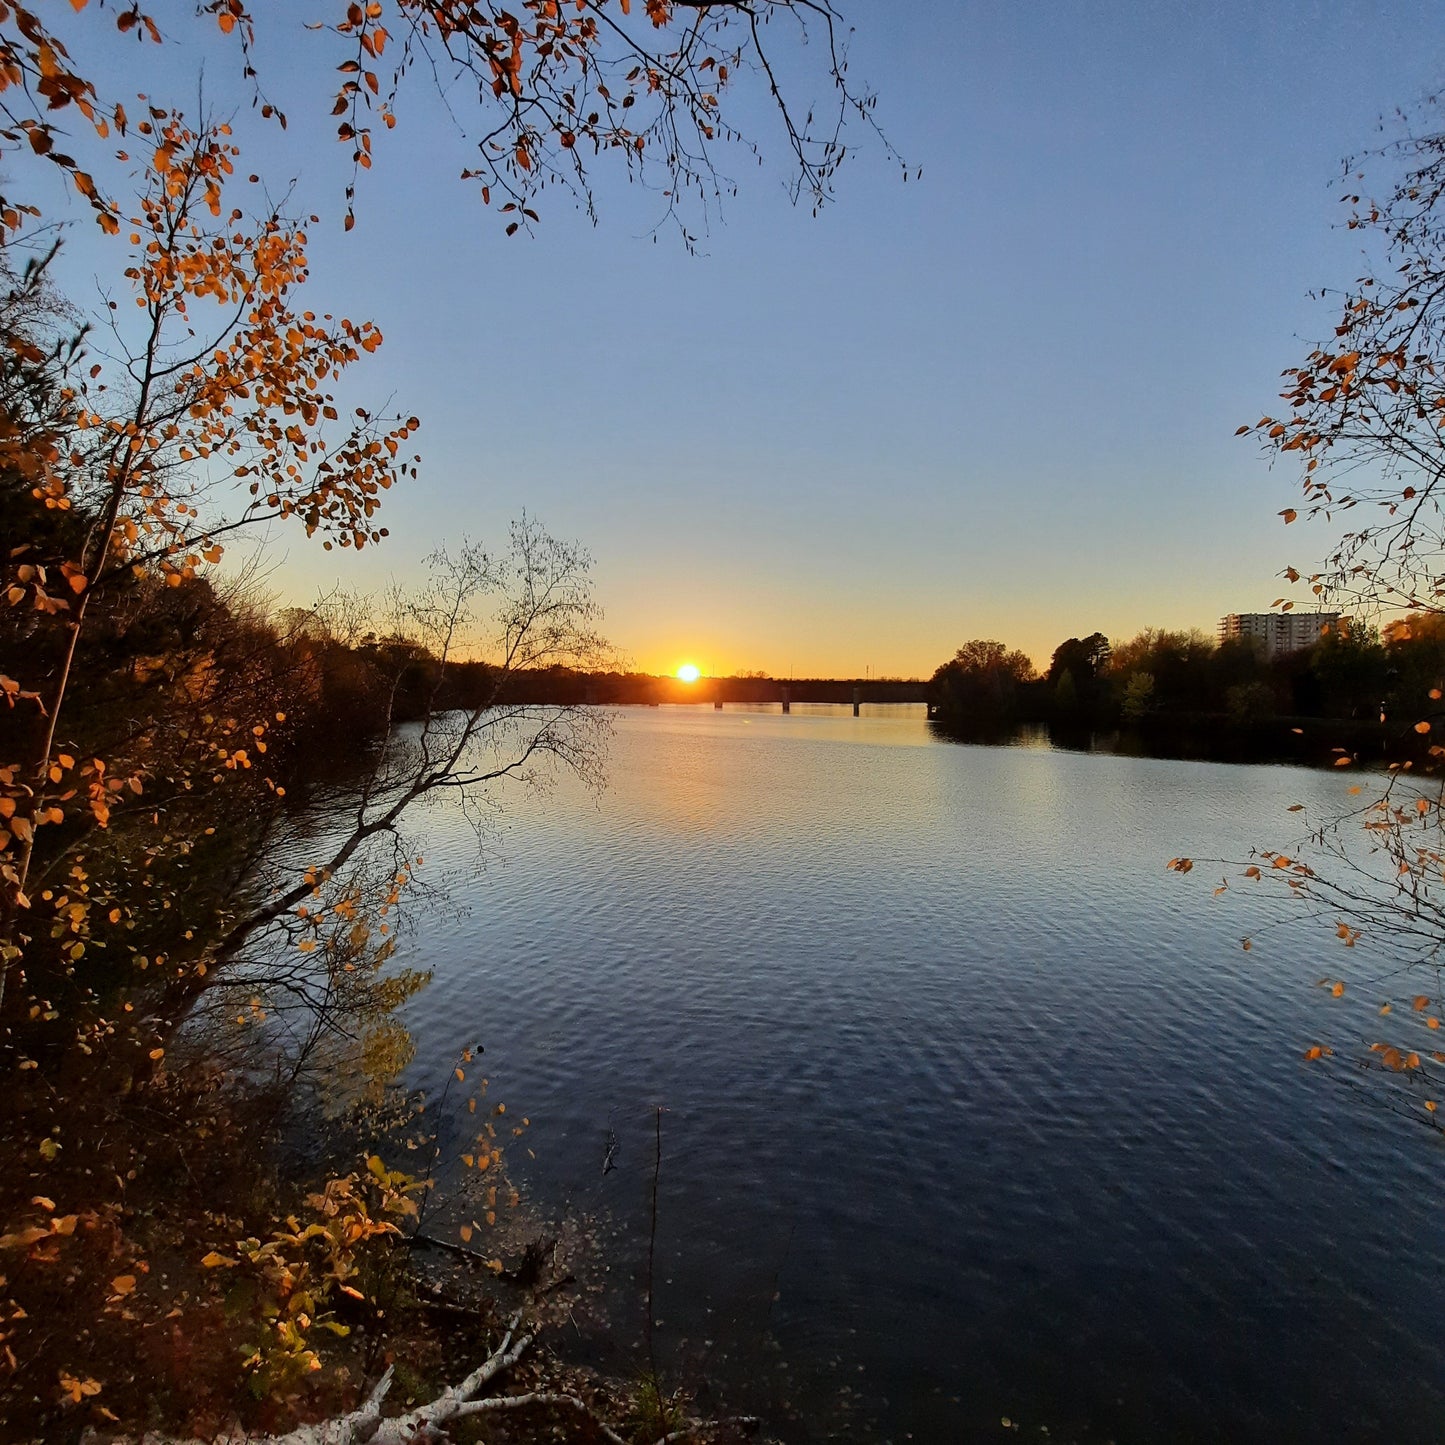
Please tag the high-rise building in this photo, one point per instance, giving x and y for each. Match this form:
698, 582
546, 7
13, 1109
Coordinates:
1278, 632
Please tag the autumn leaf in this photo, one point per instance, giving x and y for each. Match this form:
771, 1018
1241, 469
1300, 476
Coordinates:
75, 1390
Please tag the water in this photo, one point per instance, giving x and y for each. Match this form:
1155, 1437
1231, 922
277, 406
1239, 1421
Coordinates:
973, 1109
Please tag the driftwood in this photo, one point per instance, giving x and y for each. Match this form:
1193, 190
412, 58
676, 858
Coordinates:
427, 1423
367, 1426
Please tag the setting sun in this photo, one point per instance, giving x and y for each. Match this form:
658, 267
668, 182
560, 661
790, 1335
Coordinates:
689, 672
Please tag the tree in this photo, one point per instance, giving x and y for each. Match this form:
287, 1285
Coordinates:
1074, 670
558, 86
1364, 410
1085, 657
1138, 696
148, 724
979, 684
1363, 417
1179, 663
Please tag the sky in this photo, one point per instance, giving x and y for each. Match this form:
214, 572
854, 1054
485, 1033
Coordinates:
997, 400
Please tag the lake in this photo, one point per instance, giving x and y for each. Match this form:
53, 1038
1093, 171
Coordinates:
974, 1111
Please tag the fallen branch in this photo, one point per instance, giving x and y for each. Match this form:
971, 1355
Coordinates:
367, 1426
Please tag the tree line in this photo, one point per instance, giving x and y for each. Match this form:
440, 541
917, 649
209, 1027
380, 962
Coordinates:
1364, 683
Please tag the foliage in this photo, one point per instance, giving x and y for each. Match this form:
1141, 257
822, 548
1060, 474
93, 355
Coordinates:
980, 682
1138, 696
1364, 410
1363, 417
558, 87
305, 1268
1085, 657
164, 743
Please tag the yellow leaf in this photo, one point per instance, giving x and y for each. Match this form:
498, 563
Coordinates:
216, 1261
76, 1390
24, 1238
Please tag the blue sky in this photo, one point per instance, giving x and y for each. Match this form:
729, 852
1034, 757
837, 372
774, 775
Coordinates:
998, 401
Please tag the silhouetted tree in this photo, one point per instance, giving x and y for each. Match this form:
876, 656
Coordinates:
980, 683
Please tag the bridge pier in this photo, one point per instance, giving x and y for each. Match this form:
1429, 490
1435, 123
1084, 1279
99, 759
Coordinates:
786, 701
855, 702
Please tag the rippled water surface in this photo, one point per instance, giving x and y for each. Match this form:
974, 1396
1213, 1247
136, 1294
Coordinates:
974, 1110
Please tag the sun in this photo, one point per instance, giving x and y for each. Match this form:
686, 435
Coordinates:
689, 672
